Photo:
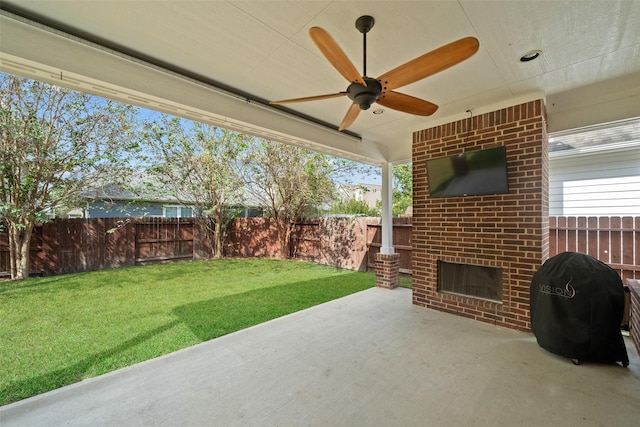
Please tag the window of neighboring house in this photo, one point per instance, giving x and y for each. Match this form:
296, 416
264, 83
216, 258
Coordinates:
177, 212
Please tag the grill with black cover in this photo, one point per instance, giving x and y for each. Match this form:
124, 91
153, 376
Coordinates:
577, 305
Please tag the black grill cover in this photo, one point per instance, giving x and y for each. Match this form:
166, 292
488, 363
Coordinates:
577, 304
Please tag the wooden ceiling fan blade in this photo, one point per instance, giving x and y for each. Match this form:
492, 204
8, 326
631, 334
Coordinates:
430, 63
309, 98
406, 103
335, 55
350, 117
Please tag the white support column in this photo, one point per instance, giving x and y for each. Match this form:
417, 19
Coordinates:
387, 212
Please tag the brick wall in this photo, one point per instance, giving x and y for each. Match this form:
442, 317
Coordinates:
509, 231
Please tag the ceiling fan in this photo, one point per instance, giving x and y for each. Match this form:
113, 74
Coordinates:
364, 90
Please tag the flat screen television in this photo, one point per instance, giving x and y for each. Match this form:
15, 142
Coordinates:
469, 174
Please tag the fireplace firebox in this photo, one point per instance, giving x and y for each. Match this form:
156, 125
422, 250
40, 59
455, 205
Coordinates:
470, 280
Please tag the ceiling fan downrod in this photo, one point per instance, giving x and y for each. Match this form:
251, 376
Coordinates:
364, 25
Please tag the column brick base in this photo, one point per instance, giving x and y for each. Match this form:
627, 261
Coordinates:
387, 268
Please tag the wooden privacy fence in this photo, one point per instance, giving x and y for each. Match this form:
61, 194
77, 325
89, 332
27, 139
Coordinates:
350, 243
74, 245
613, 240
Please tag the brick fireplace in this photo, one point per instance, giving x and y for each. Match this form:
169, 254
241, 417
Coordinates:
506, 232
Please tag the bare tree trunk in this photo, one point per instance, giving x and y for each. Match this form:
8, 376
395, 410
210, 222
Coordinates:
285, 239
19, 248
215, 235
213, 231
218, 239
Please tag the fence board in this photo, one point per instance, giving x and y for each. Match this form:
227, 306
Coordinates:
553, 234
613, 240
627, 240
562, 233
572, 234
582, 235
604, 231
592, 236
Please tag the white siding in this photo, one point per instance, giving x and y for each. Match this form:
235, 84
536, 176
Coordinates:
601, 183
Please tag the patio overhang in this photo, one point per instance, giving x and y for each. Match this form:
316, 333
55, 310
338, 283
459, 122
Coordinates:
222, 62
88, 67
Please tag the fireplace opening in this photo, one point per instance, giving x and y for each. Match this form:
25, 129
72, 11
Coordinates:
470, 280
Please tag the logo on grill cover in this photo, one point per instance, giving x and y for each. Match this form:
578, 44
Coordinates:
567, 292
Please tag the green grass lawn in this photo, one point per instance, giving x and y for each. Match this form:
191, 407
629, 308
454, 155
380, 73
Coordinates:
55, 331
405, 282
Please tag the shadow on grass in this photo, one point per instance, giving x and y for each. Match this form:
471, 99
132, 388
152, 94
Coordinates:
220, 316
207, 320
71, 281
12, 285
21, 389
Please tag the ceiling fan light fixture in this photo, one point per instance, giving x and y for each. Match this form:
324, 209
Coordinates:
364, 100
530, 56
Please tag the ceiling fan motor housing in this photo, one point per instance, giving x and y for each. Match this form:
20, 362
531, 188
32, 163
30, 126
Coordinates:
364, 96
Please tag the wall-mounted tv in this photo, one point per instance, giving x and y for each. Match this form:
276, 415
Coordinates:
469, 174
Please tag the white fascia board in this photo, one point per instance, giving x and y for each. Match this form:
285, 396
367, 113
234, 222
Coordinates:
32, 50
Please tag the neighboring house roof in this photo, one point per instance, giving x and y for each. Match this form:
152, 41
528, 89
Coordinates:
140, 187
143, 188
117, 192
607, 136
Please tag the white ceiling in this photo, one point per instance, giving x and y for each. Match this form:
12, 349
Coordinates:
258, 51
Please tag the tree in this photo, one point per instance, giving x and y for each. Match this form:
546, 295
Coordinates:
353, 206
290, 182
54, 143
403, 188
199, 165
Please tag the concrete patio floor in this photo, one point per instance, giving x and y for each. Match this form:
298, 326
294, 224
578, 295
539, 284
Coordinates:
369, 359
